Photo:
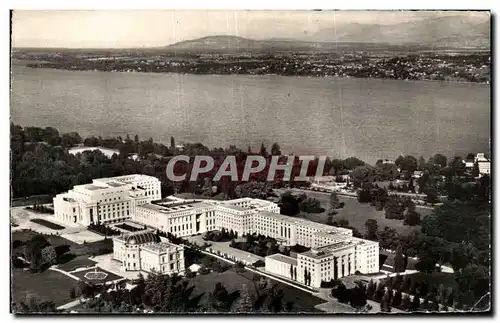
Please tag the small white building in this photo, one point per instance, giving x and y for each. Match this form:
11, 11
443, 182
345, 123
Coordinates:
143, 251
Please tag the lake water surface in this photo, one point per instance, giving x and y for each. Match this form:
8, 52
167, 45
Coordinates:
366, 118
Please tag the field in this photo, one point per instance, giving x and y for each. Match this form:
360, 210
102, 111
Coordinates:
48, 285
87, 249
357, 214
48, 224
232, 281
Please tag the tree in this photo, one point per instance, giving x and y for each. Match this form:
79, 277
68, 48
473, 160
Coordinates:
341, 293
334, 201
370, 290
358, 296
406, 303
415, 303
431, 195
379, 292
421, 163
439, 159
385, 304
397, 299
426, 265
371, 229
351, 163
343, 223
361, 175
49, 256
394, 208
244, 303
172, 143
412, 217
398, 260
406, 283
275, 150
406, 163
263, 151
461, 255
388, 238
33, 251
33, 306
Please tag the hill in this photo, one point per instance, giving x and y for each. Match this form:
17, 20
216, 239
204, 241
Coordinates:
454, 31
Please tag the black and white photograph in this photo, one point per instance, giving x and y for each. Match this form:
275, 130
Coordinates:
254, 162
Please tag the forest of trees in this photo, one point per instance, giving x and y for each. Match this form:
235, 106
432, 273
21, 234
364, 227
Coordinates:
42, 165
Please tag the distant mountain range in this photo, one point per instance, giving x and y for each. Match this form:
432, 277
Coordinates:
440, 32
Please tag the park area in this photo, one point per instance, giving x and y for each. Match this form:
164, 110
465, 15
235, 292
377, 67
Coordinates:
357, 214
44, 283
233, 282
48, 285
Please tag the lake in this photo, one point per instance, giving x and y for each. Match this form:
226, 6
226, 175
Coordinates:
339, 117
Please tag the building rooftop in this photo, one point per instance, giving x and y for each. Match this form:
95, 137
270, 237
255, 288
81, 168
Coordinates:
160, 246
128, 178
283, 258
139, 237
328, 250
174, 207
115, 184
93, 187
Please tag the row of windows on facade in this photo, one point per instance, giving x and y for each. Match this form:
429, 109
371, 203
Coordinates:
114, 214
170, 258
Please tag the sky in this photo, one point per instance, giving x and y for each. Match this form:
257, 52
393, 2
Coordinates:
152, 28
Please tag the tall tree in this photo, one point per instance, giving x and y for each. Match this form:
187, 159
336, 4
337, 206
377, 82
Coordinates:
334, 201
244, 303
263, 150
371, 229
172, 143
275, 149
398, 260
397, 299
412, 217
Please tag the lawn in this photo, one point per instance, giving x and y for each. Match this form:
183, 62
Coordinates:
88, 249
357, 214
110, 276
48, 285
48, 224
78, 262
303, 301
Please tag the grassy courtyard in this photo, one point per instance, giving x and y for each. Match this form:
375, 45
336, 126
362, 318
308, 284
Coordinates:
357, 214
48, 224
48, 285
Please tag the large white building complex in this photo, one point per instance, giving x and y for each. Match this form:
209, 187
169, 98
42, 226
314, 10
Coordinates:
106, 200
334, 251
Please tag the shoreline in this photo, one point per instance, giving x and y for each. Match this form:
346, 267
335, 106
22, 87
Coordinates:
257, 75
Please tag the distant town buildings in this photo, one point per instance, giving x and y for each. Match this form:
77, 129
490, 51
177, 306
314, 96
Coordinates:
335, 252
483, 164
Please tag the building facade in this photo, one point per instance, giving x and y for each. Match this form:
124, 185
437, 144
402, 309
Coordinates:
143, 251
334, 253
106, 200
